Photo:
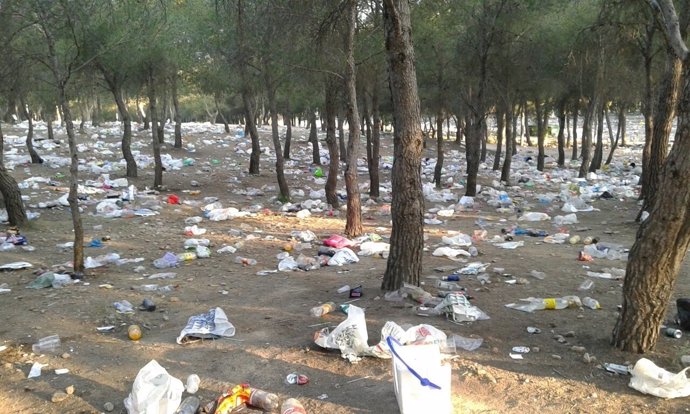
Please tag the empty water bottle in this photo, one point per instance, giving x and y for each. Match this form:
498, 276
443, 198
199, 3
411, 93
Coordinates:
265, 400
321, 310
47, 344
292, 406
190, 405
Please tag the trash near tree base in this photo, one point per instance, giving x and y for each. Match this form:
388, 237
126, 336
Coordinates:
648, 378
422, 383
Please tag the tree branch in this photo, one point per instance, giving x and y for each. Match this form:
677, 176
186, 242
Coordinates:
669, 18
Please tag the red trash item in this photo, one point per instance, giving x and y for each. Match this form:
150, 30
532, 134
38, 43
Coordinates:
337, 241
173, 199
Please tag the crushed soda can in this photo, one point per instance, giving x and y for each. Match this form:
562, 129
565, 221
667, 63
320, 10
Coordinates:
617, 368
298, 379
356, 292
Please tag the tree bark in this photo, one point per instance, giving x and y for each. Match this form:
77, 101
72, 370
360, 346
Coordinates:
314, 139
249, 112
280, 162
561, 133
576, 112
510, 145
153, 113
287, 118
599, 147
374, 187
115, 87
587, 136
176, 109
661, 245
438, 169
664, 115
500, 129
9, 189
613, 139
35, 158
620, 134
332, 143
407, 208
353, 225
542, 115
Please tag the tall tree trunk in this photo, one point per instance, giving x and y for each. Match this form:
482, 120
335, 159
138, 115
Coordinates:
341, 137
249, 111
660, 246
500, 129
9, 189
287, 118
599, 147
153, 113
407, 208
561, 133
438, 169
115, 87
648, 109
374, 190
314, 139
219, 113
97, 112
587, 136
510, 144
367, 126
353, 225
528, 133
664, 114
614, 141
35, 158
485, 138
542, 115
176, 112
576, 111
332, 143
280, 162
49, 125
250, 124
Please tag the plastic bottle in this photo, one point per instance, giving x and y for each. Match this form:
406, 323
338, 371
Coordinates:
591, 303
533, 304
265, 400
192, 385
586, 285
292, 406
189, 405
451, 278
186, 256
47, 344
318, 311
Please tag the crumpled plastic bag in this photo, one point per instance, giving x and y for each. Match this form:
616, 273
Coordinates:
154, 391
372, 248
449, 252
337, 241
351, 337
648, 378
211, 325
342, 257
459, 240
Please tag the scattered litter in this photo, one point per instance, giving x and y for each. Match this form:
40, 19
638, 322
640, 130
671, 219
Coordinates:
211, 325
648, 378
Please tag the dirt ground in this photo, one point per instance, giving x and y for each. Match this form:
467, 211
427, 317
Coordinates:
274, 330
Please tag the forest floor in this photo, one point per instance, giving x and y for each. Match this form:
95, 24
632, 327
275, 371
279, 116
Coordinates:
274, 330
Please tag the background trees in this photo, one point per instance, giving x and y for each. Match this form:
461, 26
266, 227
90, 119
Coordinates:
515, 65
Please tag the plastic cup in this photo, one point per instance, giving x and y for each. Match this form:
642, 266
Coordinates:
47, 344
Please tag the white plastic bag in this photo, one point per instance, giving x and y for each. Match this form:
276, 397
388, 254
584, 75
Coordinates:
343, 256
154, 391
648, 378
